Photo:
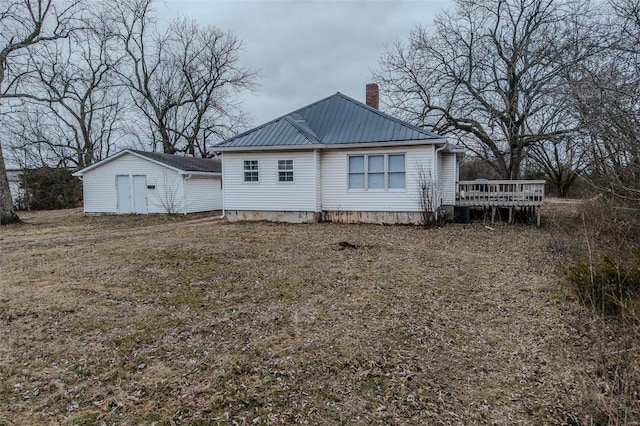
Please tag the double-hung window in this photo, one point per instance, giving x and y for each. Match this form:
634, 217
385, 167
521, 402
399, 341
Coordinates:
251, 171
376, 171
285, 170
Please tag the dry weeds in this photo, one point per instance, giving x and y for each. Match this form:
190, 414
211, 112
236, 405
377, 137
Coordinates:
135, 320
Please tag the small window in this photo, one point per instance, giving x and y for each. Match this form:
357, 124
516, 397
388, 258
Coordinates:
285, 170
356, 172
251, 170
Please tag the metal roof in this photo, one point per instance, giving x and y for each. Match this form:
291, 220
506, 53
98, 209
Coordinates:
176, 162
335, 120
187, 164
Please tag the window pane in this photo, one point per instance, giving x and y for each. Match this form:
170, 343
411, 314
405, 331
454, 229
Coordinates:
251, 164
356, 180
285, 164
251, 176
396, 163
376, 181
396, 180
285, 176
356, 164
376, 163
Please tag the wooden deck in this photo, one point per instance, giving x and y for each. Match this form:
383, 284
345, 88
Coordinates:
524, 194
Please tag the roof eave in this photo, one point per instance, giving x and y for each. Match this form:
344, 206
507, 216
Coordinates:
387, 143
270, 148
194, 173
81, 172
333, 146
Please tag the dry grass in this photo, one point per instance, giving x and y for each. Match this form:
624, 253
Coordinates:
143, 320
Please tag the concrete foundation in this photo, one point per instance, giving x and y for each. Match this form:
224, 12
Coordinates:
382, 218
272, 216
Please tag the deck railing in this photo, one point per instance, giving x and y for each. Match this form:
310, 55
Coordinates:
500, 193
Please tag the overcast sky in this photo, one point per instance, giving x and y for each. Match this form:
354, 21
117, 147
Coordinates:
308, 50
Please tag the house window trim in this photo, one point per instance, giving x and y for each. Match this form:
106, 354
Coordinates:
291, 171
245, 172
386, 172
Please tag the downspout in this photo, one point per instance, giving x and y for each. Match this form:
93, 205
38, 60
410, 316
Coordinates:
223, 211
184, 193
437, 172
435, 161
317, 176
222, 183
84, 206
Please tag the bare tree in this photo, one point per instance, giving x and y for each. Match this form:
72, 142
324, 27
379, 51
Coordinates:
24, 24
606, 93
561, 160
490, 74
73, 106
429, 198
183, 81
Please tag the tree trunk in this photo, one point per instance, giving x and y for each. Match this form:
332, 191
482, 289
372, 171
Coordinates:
515, 161
7, 212
167, 146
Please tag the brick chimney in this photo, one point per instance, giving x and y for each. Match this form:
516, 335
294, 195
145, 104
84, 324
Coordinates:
372, 95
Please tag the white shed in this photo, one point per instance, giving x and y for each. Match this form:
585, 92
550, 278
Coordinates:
149, 182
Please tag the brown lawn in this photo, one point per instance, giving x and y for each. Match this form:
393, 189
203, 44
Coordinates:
153, 320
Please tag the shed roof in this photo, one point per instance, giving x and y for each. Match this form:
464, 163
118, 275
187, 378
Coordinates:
336, 120
187, 164
178, 163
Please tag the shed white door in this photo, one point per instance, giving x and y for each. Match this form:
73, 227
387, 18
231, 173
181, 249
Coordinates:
124, 194
140, 194
129, 196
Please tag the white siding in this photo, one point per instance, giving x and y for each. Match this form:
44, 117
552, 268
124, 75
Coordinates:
337, 197
99, 185
268, 194
203, 194
448, 176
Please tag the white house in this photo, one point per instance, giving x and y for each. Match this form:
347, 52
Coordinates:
337, 160
149, 182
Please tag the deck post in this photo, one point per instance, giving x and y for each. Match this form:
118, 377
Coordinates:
537, 209
493, 214
510, 215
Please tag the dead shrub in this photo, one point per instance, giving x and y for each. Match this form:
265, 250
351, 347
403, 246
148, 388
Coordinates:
599, 246
606, 285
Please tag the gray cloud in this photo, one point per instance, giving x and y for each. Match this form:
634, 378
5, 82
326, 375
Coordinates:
308, 50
